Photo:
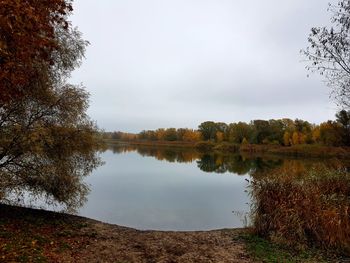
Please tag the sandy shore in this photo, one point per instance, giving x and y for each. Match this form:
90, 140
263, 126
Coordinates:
29, 235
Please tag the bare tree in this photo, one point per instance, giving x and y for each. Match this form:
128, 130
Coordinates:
329, 52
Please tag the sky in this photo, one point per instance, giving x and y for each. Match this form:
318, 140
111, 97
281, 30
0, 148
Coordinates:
177, 63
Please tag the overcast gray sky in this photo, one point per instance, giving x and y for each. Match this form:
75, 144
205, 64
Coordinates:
177, 63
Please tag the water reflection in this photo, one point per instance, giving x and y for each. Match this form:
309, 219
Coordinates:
161, 153
174, 189
253, 165
297, 202
50, 191
163, 189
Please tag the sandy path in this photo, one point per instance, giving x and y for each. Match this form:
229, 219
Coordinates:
118, 244
29, 235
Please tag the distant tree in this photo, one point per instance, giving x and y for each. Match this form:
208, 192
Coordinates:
142, 135
223, 129
261, 130
180, 134
152, 135
302, 126
191, 136
298, 138
343, 118
286, 139
329, 52
116, 135
276, 131
288, 125
208, 130
331, 133
316, 134
302, 133
220, 136
245, 141
160, 134
237, 132
170, 134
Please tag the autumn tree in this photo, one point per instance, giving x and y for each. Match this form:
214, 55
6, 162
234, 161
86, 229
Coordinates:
160, 134
170, 134
237, 132
180, 134
29, 46
316, 134
287, 140
331, 133
220, 136
329, 52
277, 130
222, 128
343, 118
191, 136
208, 130
47, 142
261, 130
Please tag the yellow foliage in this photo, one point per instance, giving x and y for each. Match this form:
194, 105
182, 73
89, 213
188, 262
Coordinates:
286, 139
219, 136
160, 134
245, 141
316, 135
191, 136
298, 138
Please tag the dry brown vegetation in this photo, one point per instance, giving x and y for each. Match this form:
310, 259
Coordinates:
303, 208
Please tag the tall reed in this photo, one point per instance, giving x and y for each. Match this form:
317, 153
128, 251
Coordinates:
303, 209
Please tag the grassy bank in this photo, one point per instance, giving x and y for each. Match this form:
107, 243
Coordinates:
264, 251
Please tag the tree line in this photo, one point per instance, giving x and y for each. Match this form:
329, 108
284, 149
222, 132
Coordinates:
284, 132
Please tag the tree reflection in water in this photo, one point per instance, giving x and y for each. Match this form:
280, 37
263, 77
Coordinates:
297, 202
254, 165
55, 191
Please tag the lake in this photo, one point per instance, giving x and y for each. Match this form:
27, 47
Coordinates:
172, 189
144, 192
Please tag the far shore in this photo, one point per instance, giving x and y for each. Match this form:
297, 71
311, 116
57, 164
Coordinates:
302, 151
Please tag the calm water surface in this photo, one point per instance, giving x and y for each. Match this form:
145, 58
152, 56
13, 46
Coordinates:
144, 192
169, 189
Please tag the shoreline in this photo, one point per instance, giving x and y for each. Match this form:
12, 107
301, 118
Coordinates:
298, 151
33, 235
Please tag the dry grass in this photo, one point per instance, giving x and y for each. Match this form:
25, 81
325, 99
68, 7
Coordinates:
304, 210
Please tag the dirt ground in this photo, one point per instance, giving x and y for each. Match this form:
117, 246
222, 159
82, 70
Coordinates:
28, 235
